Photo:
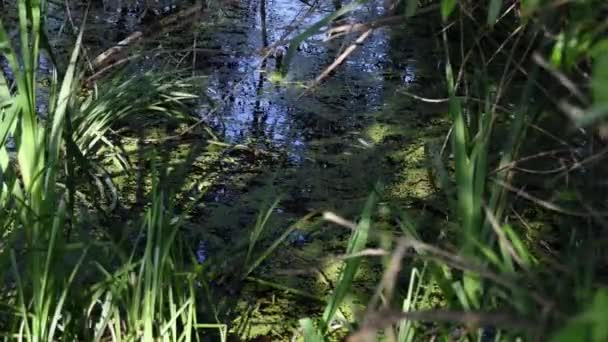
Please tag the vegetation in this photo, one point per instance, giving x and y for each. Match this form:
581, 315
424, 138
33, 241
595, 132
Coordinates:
516, 250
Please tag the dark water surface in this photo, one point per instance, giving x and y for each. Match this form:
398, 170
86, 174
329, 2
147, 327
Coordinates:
330, 141
330, 146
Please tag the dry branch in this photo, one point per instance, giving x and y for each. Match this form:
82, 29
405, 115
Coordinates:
117, 54
386, 21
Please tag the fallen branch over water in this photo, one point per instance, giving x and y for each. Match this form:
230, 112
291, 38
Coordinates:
386, 21
341, 58
367, 29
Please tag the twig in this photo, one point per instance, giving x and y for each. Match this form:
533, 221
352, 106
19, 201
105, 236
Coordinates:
389, 278
349, 50
386, 21
104, 57
561, 77
463, 264
332, 217
545, 204
512, 164
106, 69
501, 236
117, 52
385, 318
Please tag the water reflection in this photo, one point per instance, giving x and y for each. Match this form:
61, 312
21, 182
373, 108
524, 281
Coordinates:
258, 109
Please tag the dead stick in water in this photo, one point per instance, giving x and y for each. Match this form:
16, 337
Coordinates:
339, 60
102, 59
368, 29
105, 70
109, 57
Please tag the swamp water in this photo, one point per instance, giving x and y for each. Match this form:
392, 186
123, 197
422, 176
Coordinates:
326, 149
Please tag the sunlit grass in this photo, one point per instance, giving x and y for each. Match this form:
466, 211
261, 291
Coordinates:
151, 294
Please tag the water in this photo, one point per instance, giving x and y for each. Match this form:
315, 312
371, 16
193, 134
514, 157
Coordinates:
260, 109
332, 145
321, 134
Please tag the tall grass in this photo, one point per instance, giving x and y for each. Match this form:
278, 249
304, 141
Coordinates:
150, 295
35, 209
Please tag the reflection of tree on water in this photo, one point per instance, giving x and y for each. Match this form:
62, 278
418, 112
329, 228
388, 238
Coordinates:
257, 111
259, 115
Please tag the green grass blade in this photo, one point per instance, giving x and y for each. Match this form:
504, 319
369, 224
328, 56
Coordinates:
260, 224
277, 243
171, 324
63, 100
21, 294
356, 244
494, 11
311, 334
64, 293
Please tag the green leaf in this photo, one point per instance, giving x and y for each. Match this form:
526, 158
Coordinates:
599, 83
593, 114
447, 7
557, 52
473, 288
494, 11
260, 224
591, 325
575, 331
356, 244
519, 245
529, 6
269, 250
63, 99
599, 49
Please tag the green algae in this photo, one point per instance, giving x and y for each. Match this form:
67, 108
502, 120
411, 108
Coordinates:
379, 132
